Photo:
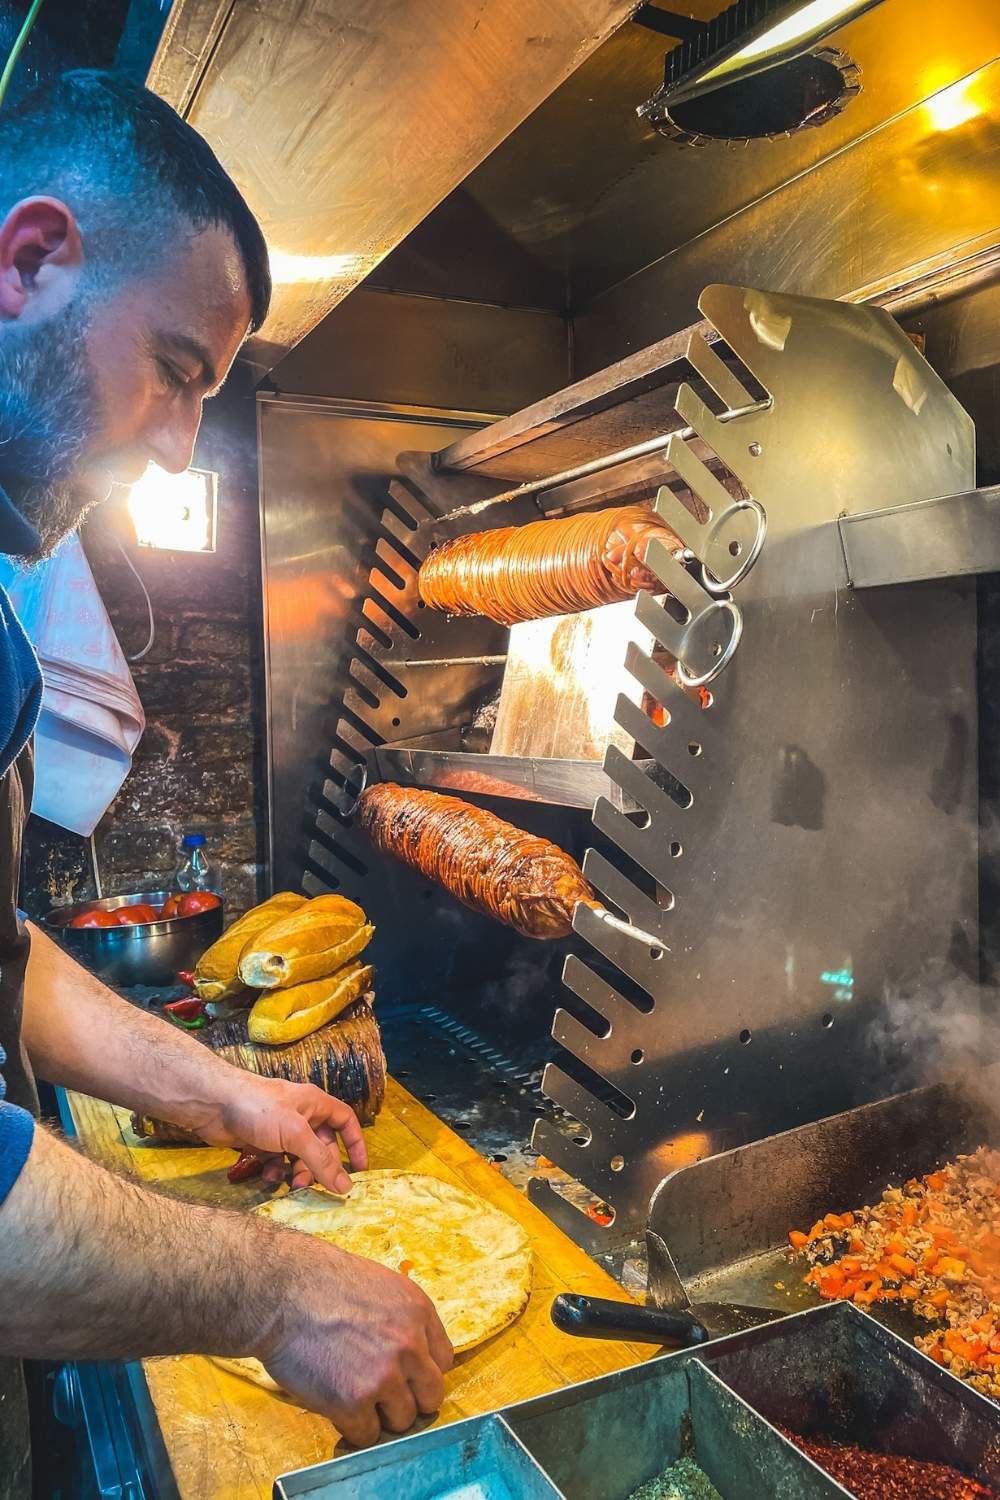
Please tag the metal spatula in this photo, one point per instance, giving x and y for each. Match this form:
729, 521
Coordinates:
667, 1318
600, 1318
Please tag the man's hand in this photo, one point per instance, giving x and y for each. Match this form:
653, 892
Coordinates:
355, 1341
94, 1266
283, 1119
82, 1036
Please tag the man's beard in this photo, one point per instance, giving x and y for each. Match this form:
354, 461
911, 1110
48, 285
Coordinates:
49, 411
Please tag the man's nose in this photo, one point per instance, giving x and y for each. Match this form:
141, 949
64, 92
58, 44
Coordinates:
171, 443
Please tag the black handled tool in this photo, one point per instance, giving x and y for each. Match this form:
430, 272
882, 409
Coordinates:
598, 1318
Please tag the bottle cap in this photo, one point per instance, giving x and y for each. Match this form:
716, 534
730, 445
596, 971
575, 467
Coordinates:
193, 841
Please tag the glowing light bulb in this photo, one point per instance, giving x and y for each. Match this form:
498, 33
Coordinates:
175, 512
953, 106
805, 26
288, 269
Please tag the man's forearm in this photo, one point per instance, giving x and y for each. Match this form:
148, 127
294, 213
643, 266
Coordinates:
95, 1266
81, 1035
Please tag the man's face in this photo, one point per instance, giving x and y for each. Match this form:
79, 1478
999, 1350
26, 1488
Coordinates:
88, 398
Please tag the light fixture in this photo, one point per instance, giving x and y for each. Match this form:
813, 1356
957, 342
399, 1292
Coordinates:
288, 269
953, 106
714, 85
175, 512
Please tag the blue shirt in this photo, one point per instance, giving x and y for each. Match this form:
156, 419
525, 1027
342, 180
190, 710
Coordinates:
17, 1131
20, 701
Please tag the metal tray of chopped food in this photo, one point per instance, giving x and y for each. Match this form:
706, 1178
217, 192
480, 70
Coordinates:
717, 1236
836, 1373
721, 1412
726, 1220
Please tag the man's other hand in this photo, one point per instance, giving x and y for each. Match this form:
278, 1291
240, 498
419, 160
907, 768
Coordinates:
296, 1122
355, 1341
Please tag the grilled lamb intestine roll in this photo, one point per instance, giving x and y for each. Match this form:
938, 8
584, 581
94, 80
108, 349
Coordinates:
529, 883
546, 568
344, 1058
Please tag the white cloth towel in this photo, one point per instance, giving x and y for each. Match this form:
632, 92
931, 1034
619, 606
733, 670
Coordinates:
91, 718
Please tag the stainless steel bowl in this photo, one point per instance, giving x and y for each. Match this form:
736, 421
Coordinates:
151, 953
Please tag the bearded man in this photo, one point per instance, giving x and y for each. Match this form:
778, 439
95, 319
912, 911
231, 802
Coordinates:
131, 271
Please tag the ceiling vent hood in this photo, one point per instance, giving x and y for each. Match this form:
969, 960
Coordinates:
345, 125
758, 71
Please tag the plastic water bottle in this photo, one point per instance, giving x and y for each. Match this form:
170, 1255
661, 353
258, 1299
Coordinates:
194, 873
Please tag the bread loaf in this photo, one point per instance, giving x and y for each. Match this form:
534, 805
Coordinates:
289, 1014
216, 975
312, 942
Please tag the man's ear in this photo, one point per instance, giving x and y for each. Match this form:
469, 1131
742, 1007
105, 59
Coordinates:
41, 254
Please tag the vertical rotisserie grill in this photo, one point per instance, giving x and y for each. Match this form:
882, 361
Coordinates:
738, 835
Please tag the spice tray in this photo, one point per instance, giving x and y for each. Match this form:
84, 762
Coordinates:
830, 1371
838, 1372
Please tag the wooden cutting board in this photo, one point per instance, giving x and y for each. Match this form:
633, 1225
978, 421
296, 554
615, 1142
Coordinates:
227, 1439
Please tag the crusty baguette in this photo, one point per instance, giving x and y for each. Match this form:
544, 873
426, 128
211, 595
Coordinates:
312, 942
217, 971
287, 1015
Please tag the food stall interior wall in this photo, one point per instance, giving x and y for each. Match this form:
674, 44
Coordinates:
580, 238
962, 342
200, 762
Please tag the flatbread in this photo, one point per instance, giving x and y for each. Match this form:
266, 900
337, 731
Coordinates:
473, 1261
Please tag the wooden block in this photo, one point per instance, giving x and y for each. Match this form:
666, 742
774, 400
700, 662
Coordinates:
226, 1438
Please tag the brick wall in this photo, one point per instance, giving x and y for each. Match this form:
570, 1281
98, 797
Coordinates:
200, 763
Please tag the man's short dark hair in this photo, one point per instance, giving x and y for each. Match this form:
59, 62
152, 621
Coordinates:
126, 164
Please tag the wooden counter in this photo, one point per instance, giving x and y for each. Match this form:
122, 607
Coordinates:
226, 1438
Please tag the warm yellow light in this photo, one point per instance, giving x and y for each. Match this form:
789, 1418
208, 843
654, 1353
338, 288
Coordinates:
174, 511
953, 106
288, 269
805, 25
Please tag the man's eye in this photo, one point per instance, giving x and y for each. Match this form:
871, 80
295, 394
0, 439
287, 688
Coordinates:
171, 376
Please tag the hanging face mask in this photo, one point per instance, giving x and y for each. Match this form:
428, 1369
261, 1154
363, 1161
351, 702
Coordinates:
91, 719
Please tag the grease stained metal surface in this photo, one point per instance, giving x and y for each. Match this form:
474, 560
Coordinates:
892, 201
345, 125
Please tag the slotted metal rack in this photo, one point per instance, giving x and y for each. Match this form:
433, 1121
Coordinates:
839, 746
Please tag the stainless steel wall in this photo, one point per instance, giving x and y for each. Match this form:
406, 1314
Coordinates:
430, 351
323, 477
344, 125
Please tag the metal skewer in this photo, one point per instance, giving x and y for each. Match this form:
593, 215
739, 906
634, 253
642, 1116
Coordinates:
627, 929
453, 661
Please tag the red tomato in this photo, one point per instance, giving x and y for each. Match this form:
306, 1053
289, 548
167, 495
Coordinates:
169, 908
135, 916
195, 901
95, 919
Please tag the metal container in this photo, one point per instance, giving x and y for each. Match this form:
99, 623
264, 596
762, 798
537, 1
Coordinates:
830, 1370
593, 1441
479, 1459
835, 1371
150, 953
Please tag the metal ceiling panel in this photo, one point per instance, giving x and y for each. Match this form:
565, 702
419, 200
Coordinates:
903, 214
590, 196
346, 124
